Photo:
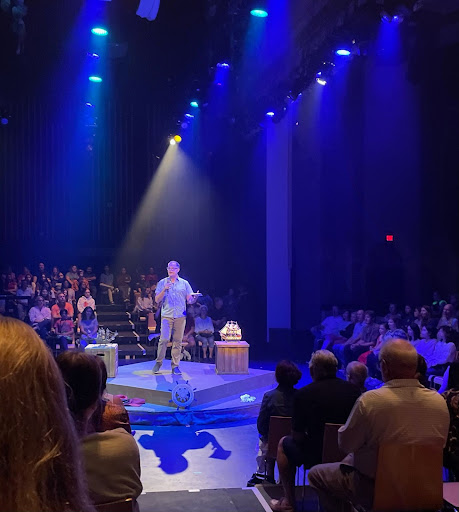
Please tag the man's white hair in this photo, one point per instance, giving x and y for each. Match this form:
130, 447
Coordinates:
324, 364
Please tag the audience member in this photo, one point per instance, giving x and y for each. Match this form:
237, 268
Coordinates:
373, 358
110, 412
444, 352
40, 466
392, 313
107, 283
59, 306
219, 316
425, 318
123, 282
111, 458
83, 284
447, 318
414, 334
362, 343
330, 328
40, 318
326, 400
88, 326
451, 395
144, 303
23, 305
408, 316
86, 301
421, 371
383, 329
68, 291
348, 331
72, 276
402, 411
152, 278
277, 402
91, 277
189, 332
64, 329
204, 329
436, 304
357, 374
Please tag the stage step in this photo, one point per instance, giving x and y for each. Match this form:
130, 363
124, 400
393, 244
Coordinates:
110, 308
117, 325
113, 316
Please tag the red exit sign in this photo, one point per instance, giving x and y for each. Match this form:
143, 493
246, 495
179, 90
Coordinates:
389, 238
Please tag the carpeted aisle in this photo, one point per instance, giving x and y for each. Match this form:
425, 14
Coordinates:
215, 500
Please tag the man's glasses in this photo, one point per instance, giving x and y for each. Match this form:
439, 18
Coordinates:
172, 268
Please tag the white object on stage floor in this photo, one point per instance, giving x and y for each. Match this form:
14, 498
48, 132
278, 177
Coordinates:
109, 353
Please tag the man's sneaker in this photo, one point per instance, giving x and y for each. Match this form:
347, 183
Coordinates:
254, 481
176, 371
156, 368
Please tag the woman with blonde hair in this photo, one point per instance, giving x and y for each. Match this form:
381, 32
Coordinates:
40, 467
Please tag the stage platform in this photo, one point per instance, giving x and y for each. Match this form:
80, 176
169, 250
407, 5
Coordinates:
217, 396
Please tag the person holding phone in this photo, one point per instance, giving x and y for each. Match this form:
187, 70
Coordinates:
172, 294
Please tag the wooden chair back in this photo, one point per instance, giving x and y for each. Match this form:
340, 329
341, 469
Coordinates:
117, 506
279, 426
330, 450
408, 477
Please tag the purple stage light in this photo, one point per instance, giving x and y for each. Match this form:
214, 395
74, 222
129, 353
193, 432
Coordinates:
223, 65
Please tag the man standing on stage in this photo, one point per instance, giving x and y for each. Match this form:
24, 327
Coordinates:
172, 293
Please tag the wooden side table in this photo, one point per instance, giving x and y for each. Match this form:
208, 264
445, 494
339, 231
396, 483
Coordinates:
232, 357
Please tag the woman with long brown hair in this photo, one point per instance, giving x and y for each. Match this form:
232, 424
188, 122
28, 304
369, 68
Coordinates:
40, 467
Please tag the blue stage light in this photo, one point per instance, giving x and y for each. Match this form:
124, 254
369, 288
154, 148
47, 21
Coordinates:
321, 81
189, 116
194, 104
223, 65
99, 31
270, 114
94, 78
4, 121
259, 13
343, 52
93, 55
89, 104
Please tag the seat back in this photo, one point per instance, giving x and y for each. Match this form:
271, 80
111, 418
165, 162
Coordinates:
408, 477
117, 506
279, 426
331, 451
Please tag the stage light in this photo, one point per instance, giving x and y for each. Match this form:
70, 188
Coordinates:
95, 78
189, 116
194, 104
397, 18
4, 121
89, 104
270, 114
99, 31
386, 17
177, 138
321, 81
94, 56
343, 52
259, 13
172, 142
223, 65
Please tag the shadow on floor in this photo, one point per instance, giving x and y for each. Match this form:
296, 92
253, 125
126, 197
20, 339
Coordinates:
170, 445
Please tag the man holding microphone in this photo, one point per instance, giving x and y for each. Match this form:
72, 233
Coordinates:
173, 293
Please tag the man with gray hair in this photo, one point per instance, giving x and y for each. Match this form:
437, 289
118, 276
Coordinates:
326, 400
402, 411
173, 293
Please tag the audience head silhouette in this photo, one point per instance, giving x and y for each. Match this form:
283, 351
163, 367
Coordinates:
323, 365
399, 360
40, 468
83, 377
287, 373
357, 373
